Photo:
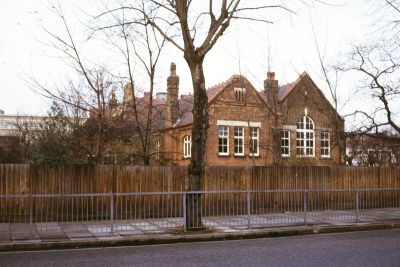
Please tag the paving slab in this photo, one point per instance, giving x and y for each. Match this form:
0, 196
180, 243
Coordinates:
130, 233
78, 235
14, 235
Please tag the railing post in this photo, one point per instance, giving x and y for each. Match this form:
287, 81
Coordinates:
357, 207
112, 211
248, 210
184, 211
305, 206
30, 199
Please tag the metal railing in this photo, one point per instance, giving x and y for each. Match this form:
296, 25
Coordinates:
155, 212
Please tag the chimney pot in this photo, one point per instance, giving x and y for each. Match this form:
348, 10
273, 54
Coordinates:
271, 75
173, 69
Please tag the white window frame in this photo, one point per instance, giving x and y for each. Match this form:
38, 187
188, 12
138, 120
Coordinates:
305, 135
224, 135
187, 146
238, 140
285, 136
157, 146
255, 138
325, 137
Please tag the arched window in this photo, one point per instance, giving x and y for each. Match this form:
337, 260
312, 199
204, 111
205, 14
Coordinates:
187, 146
305, 137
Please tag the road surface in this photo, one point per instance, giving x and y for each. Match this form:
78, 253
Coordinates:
372, 248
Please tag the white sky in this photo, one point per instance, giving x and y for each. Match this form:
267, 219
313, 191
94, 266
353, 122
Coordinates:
290, 39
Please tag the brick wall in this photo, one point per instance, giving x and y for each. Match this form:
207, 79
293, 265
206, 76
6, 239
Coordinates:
306, 99
225, 108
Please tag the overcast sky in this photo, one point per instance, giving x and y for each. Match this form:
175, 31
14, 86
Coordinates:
288, 42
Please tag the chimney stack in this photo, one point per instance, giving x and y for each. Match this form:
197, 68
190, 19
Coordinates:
271, 87
128, 98
112, 105
128, 93
172, 114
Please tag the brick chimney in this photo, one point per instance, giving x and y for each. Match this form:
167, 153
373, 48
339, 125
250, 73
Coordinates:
172, 113
128, 93
128, 98
271, 87
112, 105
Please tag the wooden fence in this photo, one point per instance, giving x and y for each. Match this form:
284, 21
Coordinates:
81, 179
39, 179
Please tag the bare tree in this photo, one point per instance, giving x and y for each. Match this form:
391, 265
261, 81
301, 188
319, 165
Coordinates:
89, 94
367, 149
379, 69
142, 41
330, 76
387, 13
110, 124
199, 25
376, 64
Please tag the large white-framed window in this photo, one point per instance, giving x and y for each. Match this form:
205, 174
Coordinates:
187, 146
157, 148
223, 140
254, 141
325, 145
285, 143
305, 137
239, 141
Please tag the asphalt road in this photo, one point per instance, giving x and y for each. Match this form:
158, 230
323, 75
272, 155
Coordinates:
372, 248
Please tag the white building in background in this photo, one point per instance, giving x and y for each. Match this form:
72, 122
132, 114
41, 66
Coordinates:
9, 124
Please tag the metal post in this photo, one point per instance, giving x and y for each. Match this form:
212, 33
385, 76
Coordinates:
30, 198
248, 210
112, 211
305, 206
184, 211
357, 207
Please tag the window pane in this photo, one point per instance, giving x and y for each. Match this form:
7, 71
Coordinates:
238, 135
223, 140
285, 144
187, 143
325, 144
254, 147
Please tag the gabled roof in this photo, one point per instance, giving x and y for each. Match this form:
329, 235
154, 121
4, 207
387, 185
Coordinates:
186, 101
215, 90
286, 89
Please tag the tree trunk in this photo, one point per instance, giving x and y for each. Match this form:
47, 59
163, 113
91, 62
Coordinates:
199, 137
146, 160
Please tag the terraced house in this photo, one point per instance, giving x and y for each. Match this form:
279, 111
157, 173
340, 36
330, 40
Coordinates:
280, 124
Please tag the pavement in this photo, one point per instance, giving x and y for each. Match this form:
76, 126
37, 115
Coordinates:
59, 235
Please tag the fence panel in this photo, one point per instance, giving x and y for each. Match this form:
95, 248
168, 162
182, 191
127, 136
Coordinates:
88, 179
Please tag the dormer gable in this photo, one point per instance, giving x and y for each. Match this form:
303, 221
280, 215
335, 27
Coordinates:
237, 90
